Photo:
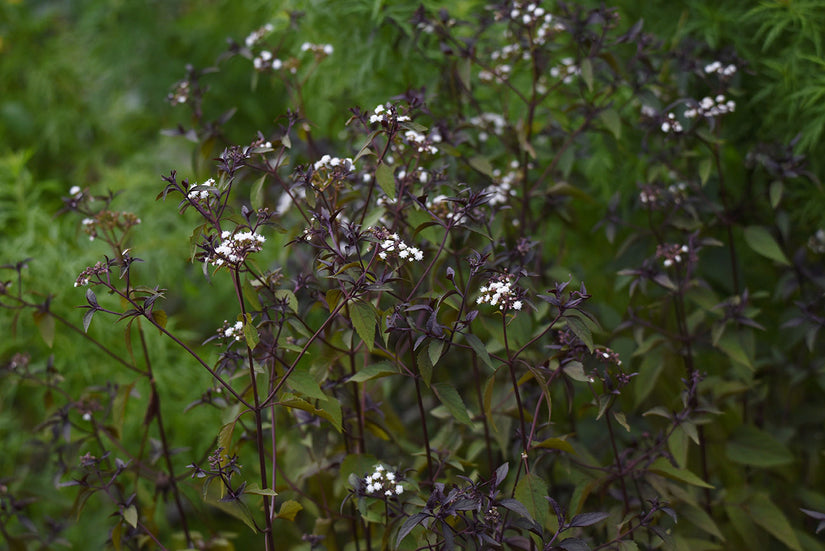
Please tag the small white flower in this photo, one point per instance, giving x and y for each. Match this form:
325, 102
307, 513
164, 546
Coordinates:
74, 190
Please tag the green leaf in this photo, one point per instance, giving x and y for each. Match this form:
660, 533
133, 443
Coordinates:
701, 520
329, 409
386, 179
531, 491
760, 240
301, 380
587, 73
257, 490
575, 370
449, 396
749, 445
578, 327
130, 515
482, 164
250, 333
744, 526
556, 444
611, 120
289, 509
678, 443
434, 350
775, 192
622, 420
256, 194
663, 468
45, 324
117, 534
373, 371
705, 168
364, 318
225, 442
480, 350
766, 514
289, 297
425, 368
160, 317
730, 345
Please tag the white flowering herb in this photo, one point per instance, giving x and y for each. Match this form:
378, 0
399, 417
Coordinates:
200, 193
501, 293
382, 483
331, 163
383, 114
235, 246
231, 331
711, 107
390, 245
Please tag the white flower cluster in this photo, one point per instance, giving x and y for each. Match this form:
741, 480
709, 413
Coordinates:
391, 245
534, 15
181, 93
200, 194
255, 36
817, 242
381, 113
490, 121
332, 163
76, 192
648, 111
501, 72
711, 107
500, 292
501, 191
672, 254
671, 124
234, 331
383, 482
325, 49
236, 246
265, 60
717, 67
566, 71
441, 206
424, 144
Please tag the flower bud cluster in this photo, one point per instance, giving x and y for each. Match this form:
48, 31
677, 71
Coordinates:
382, 482
201, 194
422, 142
231, 331
723, 70
501, 191
711, 107
499, 74
531, 14
817, 242
332, 163
317, 49
501, 292
566, 71
257, 35
108, 220
489, 121
265, 60
180, 94
671, 124
390, 244
672, 254
90, 272
384, 114
236, 246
